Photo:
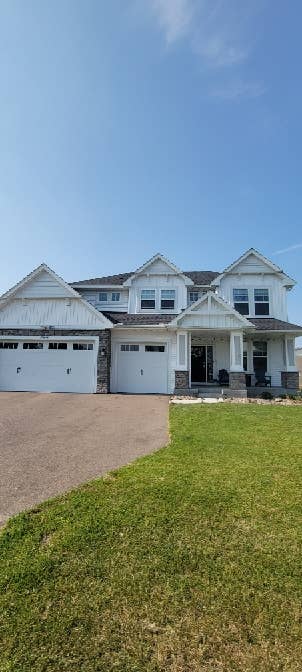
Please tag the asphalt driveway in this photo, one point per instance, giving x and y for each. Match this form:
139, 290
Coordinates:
50, 443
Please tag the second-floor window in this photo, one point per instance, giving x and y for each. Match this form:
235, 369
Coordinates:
261, 297
167, 299
241, 301
103, 296
115, 296
193, 296
147, 299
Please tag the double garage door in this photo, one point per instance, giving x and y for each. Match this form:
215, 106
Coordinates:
141, 368
47, 366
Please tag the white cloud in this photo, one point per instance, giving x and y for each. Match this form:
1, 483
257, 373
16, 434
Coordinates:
218, 32
237, 90
289, 249
174, 17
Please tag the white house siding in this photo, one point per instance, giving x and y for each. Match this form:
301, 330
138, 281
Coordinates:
151, 336
60, 313
153, 280
92, 296
270, 281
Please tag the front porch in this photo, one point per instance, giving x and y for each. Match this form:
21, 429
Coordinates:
216, 346
236, 364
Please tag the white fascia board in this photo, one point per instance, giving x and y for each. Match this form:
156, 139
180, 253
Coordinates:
276, 269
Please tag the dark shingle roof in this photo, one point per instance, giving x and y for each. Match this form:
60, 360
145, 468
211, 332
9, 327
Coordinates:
138, 319
272, 324
202, 277
261, 323
107, 280
198, 277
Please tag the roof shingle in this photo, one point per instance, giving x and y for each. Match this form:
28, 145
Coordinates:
198, 277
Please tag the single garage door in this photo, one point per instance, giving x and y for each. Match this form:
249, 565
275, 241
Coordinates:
47, 366
142, 368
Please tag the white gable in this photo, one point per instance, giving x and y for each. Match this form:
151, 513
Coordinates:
211, 312
252, 264
43, 299
42, 285
157, 267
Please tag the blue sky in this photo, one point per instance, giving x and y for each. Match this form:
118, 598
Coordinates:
135, 126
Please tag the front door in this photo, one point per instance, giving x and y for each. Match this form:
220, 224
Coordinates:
201, 363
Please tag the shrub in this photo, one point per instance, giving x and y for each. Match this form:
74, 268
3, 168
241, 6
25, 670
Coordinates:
266, 395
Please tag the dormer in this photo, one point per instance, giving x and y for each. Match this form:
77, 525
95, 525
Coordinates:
255, 286
158, 287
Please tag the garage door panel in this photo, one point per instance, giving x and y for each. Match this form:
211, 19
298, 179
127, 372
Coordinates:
48, 369
142, 369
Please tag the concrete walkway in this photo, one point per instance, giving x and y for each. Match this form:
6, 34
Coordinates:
50, 443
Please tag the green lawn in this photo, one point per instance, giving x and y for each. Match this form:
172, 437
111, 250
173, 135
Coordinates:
186, 561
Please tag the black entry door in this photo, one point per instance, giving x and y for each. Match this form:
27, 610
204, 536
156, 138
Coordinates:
201, 363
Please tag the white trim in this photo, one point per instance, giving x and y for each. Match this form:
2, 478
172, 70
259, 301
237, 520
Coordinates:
185, 365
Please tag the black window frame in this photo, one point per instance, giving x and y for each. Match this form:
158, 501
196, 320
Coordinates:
261, 305
242, 306
148, 304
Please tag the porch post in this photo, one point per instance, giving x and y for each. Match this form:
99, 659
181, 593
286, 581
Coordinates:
237, 375
290, 375
182, 366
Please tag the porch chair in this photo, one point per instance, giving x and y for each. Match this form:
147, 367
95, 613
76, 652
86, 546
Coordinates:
262, 380
223, 377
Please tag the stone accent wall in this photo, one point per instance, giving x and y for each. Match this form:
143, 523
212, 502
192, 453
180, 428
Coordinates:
181, 380
104, 351
237, 380
290, 379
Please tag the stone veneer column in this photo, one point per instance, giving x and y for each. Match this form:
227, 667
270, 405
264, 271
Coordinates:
290, 379
237, 380
103, 362
181, 380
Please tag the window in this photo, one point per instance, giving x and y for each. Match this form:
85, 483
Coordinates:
167, 301
193, 296
244, 360
9, 345
115, 296
148, 299
261, 301
127, 347
154, 348
82, 346
103, 296
260, 356
32, 346
57, 346
241, 301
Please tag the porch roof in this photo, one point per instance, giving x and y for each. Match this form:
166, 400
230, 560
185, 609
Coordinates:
272, 324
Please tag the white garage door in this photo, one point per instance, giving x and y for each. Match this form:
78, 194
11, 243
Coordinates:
142, 368
47, 366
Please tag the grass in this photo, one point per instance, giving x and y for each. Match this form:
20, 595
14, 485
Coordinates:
188, 560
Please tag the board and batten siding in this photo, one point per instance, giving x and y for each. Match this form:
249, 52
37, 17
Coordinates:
43, 286
58, 312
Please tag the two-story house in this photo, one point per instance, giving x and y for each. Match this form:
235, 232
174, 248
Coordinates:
155, 330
